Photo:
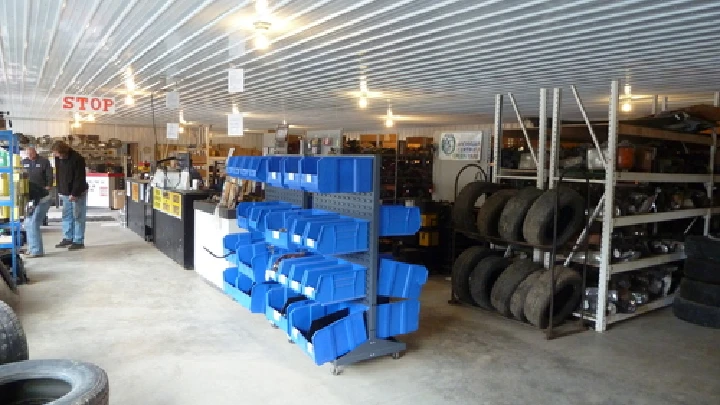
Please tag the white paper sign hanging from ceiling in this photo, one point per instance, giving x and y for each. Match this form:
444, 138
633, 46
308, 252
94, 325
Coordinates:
173, 130
235, 125
172, 100
461, 145
236, 80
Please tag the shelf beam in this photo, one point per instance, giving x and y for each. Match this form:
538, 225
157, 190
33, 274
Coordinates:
646, 262
659, 217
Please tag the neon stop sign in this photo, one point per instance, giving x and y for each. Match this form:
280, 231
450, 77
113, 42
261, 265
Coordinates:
88, 104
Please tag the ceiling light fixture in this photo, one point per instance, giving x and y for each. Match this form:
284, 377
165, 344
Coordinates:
389, 123
627, 99
129, 100
262, 24
363, 102
90, 118
235, 109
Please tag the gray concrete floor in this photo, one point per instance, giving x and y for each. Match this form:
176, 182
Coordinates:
166, 337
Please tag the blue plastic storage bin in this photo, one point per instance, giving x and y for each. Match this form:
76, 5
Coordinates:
274, 171
250, 295
337, 283
398, 220
335, 237
243, 210
286, 267
400, 280
297, 226
397, 318
252, 260
291, 172
326, 332
280, 303
292, 275
338, 174
243, 164
257, 168
256, 216
278, 225
233, 166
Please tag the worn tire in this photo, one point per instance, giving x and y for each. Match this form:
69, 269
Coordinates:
6, 275
8, 296
483, 278
508, 282
463, 212
489, 214
517, 301
511, 220
538, 225
57, 382
568, 293
463, 267
13, 342
702, 293
702, 247
707, 271
699, 314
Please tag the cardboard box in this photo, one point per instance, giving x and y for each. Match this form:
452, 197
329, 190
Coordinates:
118, 201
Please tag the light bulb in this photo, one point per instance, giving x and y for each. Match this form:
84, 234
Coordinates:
129, 100
363, 102
181, 130
389, 123
261, 40
628, 90
90, 118
77, 117
76, 124
235, 109
627, 107
363, 84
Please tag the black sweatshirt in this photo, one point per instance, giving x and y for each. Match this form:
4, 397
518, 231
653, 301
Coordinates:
70, 174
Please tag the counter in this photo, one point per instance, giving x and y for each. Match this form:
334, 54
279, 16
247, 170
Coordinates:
211, 226
173, 232
138, 208
101, 187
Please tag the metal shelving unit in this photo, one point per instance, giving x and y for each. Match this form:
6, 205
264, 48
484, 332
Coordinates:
13, 225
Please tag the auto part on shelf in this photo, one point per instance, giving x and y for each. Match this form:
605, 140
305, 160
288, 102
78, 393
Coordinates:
512, 218
538, 225
488, 215
463, 212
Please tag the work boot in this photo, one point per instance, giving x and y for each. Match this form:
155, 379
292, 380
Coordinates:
76, 246
64, 243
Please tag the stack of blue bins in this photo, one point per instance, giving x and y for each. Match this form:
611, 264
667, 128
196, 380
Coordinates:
285, 265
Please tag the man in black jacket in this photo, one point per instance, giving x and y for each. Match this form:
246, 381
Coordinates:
72, 188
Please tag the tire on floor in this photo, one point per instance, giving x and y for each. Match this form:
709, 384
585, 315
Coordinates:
463, 212
54, 381
483, 278
702, 293
696, 313
489, 214
13, 342
8, 296
463, 266
538, 225
568, 293
517, 302
512, 217
702, 247
508, 282
707, 271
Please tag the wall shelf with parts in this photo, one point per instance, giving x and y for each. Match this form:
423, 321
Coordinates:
310, 263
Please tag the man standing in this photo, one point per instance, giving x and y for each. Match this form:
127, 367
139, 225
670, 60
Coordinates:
40, 176
39, 172
72, 188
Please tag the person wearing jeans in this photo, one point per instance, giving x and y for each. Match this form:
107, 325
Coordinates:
37, 210
72, 188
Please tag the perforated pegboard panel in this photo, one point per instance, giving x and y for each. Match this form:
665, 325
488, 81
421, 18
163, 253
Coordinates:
282, 194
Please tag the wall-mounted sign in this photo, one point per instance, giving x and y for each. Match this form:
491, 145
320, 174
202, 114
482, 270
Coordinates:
461, 145
88, 104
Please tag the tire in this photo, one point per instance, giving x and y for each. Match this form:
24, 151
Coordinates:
13, 342
699, 314
483, 278
568, 293
507, 283
6, 259
538, 225
706, 271
6, 275
57, 382
702, 247
702, 293
8, 296
489, 214
517, 302
463, 267
464, 207
511, 220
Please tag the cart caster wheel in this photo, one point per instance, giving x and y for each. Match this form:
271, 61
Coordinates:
272, 325
396, 356
290, 341
336, 371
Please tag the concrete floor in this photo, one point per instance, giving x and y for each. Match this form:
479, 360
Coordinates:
166, 337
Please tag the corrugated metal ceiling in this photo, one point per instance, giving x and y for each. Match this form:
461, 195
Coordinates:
435, 61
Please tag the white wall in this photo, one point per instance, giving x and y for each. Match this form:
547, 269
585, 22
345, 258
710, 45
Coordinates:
40, 127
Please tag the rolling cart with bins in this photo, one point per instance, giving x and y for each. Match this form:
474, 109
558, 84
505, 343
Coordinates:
310, 261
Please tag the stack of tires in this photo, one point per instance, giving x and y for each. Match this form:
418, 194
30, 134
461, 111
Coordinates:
518, 289
698, 300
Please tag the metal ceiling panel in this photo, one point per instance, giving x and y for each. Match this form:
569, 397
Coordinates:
435, 61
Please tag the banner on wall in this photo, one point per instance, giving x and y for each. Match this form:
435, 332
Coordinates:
461, 145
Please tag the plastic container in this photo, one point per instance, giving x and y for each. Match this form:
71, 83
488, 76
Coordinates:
326, 332
243, 165
243, 210
250, 295
400, 280
278, 224
256, 215
252, 260
257, 168
399, 220
298, 226
292, 276
341, 236
280, 303
291, 172
274, 171
331, 284
397, 318
338, 174
233, 166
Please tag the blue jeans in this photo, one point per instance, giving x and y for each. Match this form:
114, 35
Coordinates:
73, 218
32, 227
